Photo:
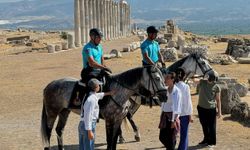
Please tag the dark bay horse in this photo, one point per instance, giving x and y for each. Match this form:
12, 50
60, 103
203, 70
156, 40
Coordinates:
57, 95
192, 64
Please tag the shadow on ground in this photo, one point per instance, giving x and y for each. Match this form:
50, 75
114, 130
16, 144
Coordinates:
197, 147
76, 147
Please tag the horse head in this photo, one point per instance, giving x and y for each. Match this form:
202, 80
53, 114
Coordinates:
153, 82
196, 64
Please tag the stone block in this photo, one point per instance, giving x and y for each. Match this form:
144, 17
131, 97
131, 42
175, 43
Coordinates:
126, 49
229, 98
65, 46
58, 48
116, 53
172, 44
51, 48
227, 80
240, 88
240, 112
71, 41
244, 60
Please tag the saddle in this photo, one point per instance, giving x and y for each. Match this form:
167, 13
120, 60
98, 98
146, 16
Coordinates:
81, 90
78, 95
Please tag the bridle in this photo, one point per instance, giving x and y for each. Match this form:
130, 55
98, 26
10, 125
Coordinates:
202, 69
152, 82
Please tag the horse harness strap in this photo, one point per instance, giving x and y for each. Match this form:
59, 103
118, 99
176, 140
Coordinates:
202, 69
123, 85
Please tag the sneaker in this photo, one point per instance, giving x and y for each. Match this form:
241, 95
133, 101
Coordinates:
211, 146
203, 142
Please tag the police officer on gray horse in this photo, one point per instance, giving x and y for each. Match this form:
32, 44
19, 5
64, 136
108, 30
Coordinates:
92, 56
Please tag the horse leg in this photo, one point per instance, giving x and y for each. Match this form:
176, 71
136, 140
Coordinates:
121, 138
112, 132
47, 123
109, 135
135, 128
63, 116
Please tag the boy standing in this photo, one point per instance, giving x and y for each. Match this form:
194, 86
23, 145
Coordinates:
89, 115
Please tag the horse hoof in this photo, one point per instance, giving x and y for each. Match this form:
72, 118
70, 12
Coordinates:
60, 147
121, 140
137, 138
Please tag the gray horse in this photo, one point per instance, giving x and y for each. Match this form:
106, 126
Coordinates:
114, 109
192, 64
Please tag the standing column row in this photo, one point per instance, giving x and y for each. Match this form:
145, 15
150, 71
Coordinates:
112, 18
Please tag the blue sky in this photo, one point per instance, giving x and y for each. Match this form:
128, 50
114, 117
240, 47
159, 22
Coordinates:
2, 1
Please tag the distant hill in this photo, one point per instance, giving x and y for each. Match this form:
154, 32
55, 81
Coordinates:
200, 16
39, 14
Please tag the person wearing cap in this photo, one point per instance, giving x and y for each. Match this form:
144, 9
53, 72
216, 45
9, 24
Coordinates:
209, 101
89, 115
186, 108
150, 49
92, 56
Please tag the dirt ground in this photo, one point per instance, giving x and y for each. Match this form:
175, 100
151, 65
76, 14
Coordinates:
24, 76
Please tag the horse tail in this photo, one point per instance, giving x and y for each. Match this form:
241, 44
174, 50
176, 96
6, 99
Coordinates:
44, 127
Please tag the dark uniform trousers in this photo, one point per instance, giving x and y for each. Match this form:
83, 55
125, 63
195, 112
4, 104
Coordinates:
208, 122
167, 134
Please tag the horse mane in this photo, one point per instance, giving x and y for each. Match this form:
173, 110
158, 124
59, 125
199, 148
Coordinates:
175, 65
197, 54
129, 77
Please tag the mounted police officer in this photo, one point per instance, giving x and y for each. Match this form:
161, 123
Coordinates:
150, 49
92, 55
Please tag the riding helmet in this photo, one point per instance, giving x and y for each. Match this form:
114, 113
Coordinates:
152, 29
95, 32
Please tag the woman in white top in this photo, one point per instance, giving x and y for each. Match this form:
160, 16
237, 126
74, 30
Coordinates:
170, 113
186, 108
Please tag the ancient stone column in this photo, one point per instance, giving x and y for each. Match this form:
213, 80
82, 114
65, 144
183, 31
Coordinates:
123, 19
105, 19
77, 24
102, 16
82, 22
116, 20
94, 13
108, 20
98, 10
129, 20
113, 20
127, 16
90, 14
87, 19
119, 19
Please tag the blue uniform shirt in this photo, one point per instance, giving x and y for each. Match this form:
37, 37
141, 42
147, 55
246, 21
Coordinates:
152, 49
90, 50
